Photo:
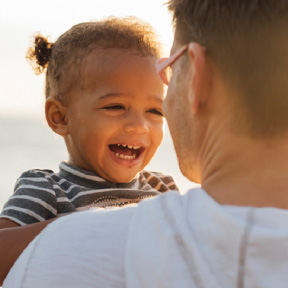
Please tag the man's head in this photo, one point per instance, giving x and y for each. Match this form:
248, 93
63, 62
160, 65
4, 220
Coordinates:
246, 42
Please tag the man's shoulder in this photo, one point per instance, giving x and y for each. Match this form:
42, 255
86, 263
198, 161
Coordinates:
93, 240
100, 222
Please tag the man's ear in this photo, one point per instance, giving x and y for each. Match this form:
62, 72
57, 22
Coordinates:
197, 94
56, 116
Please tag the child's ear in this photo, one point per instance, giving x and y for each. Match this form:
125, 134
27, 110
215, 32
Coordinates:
56, 116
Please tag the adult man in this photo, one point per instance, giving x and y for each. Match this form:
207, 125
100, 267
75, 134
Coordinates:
226, 108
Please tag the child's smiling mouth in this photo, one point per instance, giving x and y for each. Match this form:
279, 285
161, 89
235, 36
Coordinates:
127, 152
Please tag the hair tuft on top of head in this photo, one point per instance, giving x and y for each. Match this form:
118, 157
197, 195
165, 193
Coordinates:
64, 60
38, 55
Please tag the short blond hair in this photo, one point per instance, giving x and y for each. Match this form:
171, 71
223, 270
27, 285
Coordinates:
248, 42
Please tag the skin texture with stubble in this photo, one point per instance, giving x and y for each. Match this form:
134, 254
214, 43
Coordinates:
231, 166
177, 111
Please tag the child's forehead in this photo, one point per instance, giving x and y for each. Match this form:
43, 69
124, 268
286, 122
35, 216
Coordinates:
118, 71
115, 57
102, 64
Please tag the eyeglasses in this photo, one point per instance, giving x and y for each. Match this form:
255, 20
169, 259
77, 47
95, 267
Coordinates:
164, 63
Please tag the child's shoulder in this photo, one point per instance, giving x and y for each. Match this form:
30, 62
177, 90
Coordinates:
34, 176
158, 179
35, 173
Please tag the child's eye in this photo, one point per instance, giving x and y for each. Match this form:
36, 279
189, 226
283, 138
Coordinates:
114, 107
156, 112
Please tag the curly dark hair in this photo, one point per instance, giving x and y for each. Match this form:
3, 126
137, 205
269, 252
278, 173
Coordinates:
61, 60
248, 41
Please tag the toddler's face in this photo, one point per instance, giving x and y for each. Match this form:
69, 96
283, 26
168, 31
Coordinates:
115, 119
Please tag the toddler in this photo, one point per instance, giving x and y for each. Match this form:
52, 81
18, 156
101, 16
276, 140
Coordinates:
105, 98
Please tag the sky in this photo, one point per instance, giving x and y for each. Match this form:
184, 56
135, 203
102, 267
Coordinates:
21, 91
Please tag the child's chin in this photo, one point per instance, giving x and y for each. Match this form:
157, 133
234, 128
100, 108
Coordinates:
125, 178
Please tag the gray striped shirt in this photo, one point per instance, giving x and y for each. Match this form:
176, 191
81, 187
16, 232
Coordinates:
40, 195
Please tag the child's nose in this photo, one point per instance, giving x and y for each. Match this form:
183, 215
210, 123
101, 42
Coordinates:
136, 124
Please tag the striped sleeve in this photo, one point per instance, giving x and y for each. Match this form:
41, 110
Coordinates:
34, 199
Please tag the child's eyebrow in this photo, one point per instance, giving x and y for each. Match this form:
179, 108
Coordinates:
125, 95
109, 95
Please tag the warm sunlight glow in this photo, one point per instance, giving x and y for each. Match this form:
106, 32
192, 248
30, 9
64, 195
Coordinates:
22, 92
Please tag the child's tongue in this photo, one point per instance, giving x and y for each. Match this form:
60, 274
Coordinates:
121, 150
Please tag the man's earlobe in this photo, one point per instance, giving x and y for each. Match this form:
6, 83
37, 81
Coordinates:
56, 116
197, 93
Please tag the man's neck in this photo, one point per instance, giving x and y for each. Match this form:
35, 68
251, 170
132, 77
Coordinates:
255, 175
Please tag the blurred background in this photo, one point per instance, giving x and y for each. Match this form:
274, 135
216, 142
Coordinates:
25, 140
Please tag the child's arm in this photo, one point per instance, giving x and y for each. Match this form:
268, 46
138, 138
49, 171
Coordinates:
13, 240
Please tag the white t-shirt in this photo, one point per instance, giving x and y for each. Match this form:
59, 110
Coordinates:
168, 241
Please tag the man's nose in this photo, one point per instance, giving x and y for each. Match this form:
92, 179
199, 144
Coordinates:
136, 123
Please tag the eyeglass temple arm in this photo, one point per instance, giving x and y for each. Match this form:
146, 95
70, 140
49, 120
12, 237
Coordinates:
163, 63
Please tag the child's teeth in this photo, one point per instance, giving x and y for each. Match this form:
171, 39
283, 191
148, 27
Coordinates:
129, 146
126, 157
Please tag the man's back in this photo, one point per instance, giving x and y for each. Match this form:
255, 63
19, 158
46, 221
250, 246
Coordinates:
171, 241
